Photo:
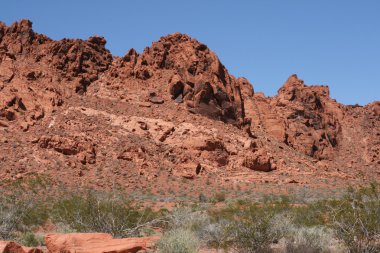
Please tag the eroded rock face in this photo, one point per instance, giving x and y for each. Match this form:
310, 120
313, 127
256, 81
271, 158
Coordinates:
37, 72
303, 117
197, 78
374, 108
77, 145
311, 118
83, 60
75, 113
19, 38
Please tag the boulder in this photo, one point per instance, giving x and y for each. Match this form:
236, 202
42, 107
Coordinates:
13, 247
259, 161
96, 243
10, 247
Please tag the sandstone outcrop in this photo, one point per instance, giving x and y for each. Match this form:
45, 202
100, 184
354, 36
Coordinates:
12, 247
96, 243
305, 118
71, 111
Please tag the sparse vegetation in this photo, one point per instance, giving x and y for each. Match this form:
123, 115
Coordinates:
101, 212
356, 219
20, 212
348, 224
23, 210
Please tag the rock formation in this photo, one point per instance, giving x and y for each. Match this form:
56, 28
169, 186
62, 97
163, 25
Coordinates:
13, 247
71, 111
96, 243
83, 243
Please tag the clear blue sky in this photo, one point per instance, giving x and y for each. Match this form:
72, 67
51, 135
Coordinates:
330, 42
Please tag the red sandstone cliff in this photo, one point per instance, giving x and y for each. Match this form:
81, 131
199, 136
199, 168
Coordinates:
72, 111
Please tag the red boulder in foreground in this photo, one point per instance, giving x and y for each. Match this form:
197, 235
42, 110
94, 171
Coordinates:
12, 247
96, 243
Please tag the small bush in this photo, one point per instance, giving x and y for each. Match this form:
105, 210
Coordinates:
218, 235
179, 241
101, 212
357, 219
30, 240
19, 214
186, 218
219, 197
309, 240
251, 228
8, 223
282, 226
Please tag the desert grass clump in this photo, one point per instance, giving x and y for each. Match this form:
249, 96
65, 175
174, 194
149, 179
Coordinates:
187, 218
180, 241
310, 240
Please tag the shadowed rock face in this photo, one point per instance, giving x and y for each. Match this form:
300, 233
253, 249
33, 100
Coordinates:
197, 77
72, 111
311, 119
12, 247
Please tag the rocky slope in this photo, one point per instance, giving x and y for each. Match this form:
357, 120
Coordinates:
71, 111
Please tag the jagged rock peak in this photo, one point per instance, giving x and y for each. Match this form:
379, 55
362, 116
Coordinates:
21, 26
295, 89
97, 40
182, 52
18, 37
293, 80
176, 38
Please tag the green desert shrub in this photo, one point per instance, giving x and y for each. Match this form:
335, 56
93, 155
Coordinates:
282, 226
309, 240
356, 219
10, 220
310, 215
19, 213
30, 239
218, 235
101, 212
210, 233
188, 218
251, 229
179, 241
